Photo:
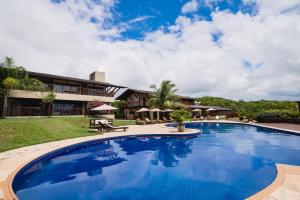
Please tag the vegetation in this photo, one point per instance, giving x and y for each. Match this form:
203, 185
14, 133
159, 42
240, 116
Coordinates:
48, 101
255, 109
164, 95
14, 77
180, 116
15, 133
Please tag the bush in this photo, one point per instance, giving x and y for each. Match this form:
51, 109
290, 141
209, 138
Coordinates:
180, 115
267, 116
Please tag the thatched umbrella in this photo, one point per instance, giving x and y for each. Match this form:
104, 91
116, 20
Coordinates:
197, 111
157, 110
167, 111
104, 108
142, 111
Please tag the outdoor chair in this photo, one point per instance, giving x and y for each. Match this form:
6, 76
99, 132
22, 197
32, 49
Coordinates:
148, 121
159, 121
171, 119
166, 120
138, 121
108, 127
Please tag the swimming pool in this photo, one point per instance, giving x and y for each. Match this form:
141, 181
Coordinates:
226, 161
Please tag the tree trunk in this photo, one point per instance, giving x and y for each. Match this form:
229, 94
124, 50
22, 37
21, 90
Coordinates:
49, 109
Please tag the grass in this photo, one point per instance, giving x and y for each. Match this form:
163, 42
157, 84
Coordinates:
15, 133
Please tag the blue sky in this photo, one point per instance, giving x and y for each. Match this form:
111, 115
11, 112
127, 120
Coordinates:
162, 13
241, 49
143, 16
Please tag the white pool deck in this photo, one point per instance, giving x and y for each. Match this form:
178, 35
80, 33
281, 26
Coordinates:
285, 186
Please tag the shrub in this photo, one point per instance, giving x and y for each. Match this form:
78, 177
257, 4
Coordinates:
180, 115
265, 116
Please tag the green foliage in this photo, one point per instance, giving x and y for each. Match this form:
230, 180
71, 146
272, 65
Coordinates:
164, 96
253, 109
275, 115
119, 114
8, 69
10, 83
49, 98
218, 101
15, 133
30, 84
180, 115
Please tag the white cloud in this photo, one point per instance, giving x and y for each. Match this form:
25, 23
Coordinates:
139, 19
49, 38
189, 7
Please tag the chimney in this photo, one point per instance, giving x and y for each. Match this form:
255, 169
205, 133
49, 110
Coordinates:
97, 76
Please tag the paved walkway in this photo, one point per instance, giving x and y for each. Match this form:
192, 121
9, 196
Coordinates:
294, 127
12, 161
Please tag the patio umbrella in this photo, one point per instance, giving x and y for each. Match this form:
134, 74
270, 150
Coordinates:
196, 110
143, 110
157, 110
167, 110
210, 109
104, 107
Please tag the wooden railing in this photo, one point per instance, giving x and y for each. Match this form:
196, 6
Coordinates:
67, 111
41, 111
77, 90
26, 111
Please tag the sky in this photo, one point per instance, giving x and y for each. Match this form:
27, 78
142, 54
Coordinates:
239, 49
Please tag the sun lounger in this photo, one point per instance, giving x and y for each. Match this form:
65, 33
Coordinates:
108, 127
94, 123
138, 121
148, 121
166, 120
159, 121
171, 119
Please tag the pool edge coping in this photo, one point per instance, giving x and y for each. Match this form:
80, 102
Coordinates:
9, 194
7, 185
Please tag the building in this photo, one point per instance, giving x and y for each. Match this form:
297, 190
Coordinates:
133, 100
215, 110
72, 95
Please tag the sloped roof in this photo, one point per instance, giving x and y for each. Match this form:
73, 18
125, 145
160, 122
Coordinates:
42, 75
129, 91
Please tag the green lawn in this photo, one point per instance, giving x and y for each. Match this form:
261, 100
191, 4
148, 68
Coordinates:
15, 133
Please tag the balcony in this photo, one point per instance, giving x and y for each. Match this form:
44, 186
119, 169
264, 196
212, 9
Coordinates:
78, 90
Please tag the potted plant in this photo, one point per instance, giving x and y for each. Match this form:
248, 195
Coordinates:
179, 116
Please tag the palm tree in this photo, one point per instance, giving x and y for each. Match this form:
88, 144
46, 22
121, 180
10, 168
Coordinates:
8, 73
164, 96
14, 77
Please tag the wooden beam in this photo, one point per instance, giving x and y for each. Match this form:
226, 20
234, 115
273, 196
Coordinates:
116, 91
107, 90
112, 91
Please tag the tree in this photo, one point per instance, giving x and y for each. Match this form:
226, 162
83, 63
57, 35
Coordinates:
164, 96
179, 116
48, 101
15, 77
9, 75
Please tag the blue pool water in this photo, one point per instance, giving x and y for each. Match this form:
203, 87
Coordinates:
226, 161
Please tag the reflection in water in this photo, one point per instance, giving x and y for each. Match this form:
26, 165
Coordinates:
169, 150
90, 160
227, 161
